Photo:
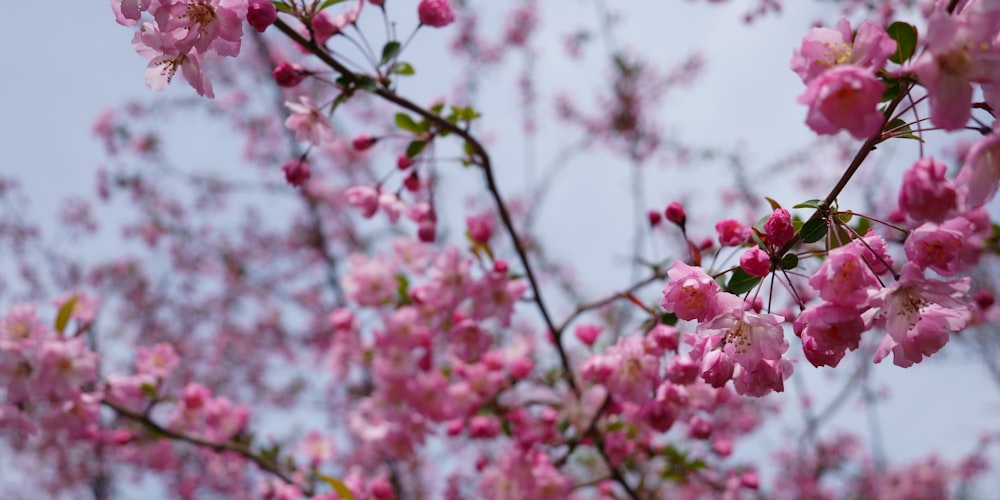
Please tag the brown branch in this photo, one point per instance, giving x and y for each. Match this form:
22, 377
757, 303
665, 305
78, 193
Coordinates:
241, 449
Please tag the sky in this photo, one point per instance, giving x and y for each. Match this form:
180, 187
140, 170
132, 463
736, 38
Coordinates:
59, 78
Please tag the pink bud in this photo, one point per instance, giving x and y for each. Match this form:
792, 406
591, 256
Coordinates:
363, 142
480, 227
380, 3
756, 262
750, 480
435, 13
426, 231
779, 227
288, 75
654, 218
454, 427
675, 213
341, 319
700, 428
521, 367
732, 233
261, 14
404, 162
588, 333
412, 182
984, 299
500, 266
296, 172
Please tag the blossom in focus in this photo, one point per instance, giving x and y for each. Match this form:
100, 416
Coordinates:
435, 13
844, 98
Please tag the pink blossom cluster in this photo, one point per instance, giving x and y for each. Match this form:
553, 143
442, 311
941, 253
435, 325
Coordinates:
184, 32
839, 69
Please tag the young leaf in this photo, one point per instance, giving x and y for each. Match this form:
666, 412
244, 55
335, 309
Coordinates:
813, 230
282, 6
790, 261
415, 148
402, 68
809, 204
62, 318
741, 282
366, 82
390, 51
342, 490
329, 3
774, 204
905, 36
406, 123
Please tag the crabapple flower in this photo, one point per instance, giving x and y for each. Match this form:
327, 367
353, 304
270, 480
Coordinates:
691, 294
844, 278
159, 361
823, 48
481, 227
844, 98
364, 197
65, 365
732, 233
435, 13
363, 142
165, 59
756, 262
308, 122
626, 369
961, 50
828, 331
128, 12
980, 175
203, 25
927, 194
918, 314
20, 329
946, 249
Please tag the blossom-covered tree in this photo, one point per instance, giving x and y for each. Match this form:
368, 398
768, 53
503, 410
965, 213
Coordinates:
436, 347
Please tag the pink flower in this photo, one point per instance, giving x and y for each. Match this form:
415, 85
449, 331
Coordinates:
288, 75
756, 262
779, 228
203, 25
165, 59
927, 194
823, 48
844, 278
128, 12
20, 329
626, 369
296, 172
481, 227
961, 49
64, 366
828, 331
365, 198
308, 122
947, 249
844, 98
159, 362
918, 315
691, 294
435, 13
980, 175
732, 233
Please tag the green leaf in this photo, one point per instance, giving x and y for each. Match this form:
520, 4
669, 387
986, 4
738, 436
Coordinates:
282, 6
905, 36
813, 230
390, 51
402, 68
814, 203
406, 123
342, 490
790, 261
366, 82
668, 319
899, 128
741, 282
415, 148
62, 318
148, 389
329, 3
